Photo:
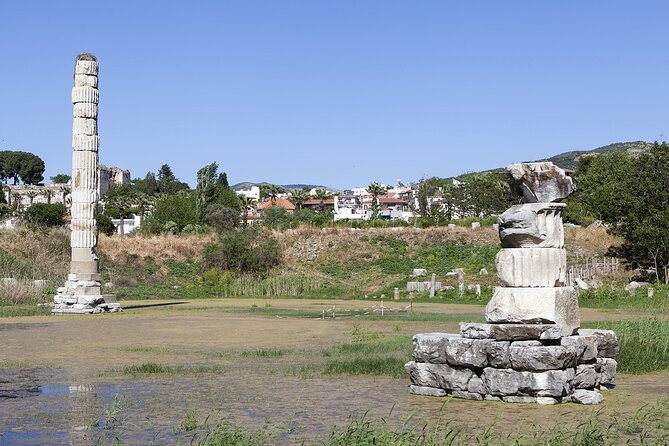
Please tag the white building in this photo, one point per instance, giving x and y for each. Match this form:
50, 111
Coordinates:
253, 193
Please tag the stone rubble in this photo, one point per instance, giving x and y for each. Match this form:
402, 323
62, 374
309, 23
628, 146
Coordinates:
81, 292
531, 350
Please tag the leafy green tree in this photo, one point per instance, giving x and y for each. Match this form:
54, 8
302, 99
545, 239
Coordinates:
178, 208
298, 197
222, 218
45, 215
167, 182
270, 191
148, 185
49, 194
206, 190
122, 197
276, 217
25, 166
247, 203
31, 194
631, 194
60, 178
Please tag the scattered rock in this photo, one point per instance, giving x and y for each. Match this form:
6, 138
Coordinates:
582, 396
426, 391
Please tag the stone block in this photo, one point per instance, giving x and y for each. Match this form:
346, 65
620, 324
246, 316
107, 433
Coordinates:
85, 94
585, 346
607, 370
88, 67
510, 332
84, 126
540, 182
541, 358
582, 396
532, 267
85, 142
537, 225
466, 395
607, 342
519, 399
426, 391
535, 306
548, 400
491, 398
431, 347
586, 376
84, 80
464, 352
498, 354
419, 272
441, 376
504, 382
86, 110
476, 385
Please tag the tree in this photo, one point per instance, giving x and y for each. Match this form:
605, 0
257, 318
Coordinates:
376, 189
321, 195
21, 165
31, 194
631, 194
60, 178
222, 218
248, 251
205, 191
178, 208
270, 191
275, 217
105, 225
122, 197
148, 185
298, 197
45, 215
49, 194
246, 203
65, 191
167, 182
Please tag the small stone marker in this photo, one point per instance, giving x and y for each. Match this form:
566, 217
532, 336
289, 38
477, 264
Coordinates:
396, 294
476, 225
650, 291
433, 285
417, 272
451, 226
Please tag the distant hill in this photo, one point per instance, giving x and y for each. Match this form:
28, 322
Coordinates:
247, 185
568, 160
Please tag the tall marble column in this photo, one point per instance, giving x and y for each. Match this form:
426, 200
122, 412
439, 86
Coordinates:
82, 290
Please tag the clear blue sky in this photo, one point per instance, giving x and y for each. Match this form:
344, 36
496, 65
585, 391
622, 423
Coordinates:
335, 92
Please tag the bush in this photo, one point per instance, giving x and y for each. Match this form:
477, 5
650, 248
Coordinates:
192, 229
222, 218
248, 251
45, 215
276, 217
105, 225
178, 209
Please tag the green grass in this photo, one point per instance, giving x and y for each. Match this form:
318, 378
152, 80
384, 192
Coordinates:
616, 298
644, 344
265, 353
152, 368
24, 310
648, 426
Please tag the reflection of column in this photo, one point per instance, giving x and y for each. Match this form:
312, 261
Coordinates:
81, 293
83, 414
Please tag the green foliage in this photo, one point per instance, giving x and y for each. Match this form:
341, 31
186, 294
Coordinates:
178, 208
45, 215
276, 217
60, 178
222, 218
25, 166
217, 277
247, 251
105, 225
632, 195
192, 229
206, 191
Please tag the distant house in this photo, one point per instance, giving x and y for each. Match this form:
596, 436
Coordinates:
253, 192
281, 202
317, 204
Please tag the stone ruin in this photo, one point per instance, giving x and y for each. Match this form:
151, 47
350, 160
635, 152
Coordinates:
82, 290
531, 350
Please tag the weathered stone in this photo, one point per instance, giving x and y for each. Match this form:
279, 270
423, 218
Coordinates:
541, 358
586, 376
607, 342
537, 225
526, 343
441, 376
580, 283
585, 346
466, 395
467, 352
498, 354
519, 399
583, 396
491, 398
426, 391
532, 267
510, 332
555, 383
548, 400
419, 272
476, 385
607, 370
431, 347
634, 285
535, 306
540, 182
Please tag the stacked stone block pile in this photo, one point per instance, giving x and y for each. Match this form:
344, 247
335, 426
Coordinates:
531, 349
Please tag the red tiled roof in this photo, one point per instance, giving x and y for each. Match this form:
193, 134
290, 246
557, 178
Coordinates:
316, 201
281, 202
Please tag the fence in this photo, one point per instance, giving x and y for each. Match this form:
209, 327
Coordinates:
593, 267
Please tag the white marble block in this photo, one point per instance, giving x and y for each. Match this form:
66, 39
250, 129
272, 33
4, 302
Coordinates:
85, 94
532, 267
534, 225
535, 306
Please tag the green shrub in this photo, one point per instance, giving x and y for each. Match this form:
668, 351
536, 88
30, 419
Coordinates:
105, 225
45, 215
248, 251
178, 208
222, 218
